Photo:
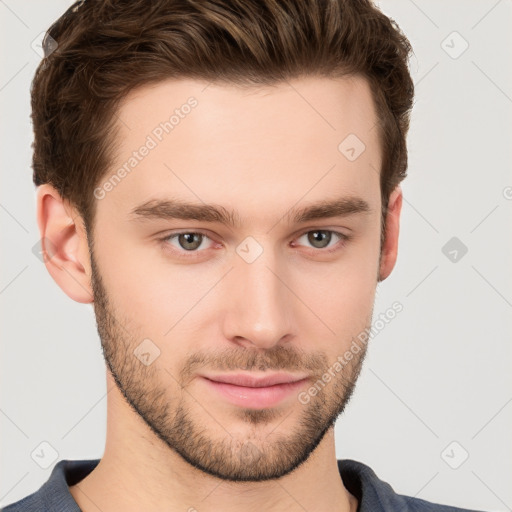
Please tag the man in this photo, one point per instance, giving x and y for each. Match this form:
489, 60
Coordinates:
222, 181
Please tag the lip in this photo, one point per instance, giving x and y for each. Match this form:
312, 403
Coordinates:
255, 392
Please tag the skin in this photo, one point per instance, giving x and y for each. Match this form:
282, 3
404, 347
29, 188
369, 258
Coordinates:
173, 442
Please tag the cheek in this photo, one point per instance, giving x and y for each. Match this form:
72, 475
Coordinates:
344, 304
341, 293
147, 284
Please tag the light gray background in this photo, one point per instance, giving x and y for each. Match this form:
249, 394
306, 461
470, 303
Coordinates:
438, 373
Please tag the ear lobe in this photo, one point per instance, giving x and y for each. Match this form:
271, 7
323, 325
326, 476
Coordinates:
390, 246
64, 244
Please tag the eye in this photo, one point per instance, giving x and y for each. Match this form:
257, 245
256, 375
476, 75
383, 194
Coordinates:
189, 241
322, 238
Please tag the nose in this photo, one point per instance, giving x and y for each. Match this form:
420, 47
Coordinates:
258, 305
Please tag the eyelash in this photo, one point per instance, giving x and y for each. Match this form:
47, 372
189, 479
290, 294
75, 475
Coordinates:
182, 253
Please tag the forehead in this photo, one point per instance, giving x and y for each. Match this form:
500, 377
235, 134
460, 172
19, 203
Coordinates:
222, 143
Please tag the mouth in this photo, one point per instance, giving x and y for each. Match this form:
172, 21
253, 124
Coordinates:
255, 391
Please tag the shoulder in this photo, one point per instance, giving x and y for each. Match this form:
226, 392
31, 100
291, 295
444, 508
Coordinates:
419, 505
31, 503
54, 495
375, 495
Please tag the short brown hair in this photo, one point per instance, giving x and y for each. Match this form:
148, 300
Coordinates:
107, 48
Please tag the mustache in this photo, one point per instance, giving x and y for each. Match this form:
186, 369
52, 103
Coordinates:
275, 358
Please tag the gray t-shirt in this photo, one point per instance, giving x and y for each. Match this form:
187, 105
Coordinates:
373, 494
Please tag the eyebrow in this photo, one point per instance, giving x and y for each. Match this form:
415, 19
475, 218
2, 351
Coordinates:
169, 209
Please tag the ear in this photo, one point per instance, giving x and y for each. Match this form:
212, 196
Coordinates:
390, 245
64, 244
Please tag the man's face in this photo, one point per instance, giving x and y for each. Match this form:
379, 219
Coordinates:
192, 325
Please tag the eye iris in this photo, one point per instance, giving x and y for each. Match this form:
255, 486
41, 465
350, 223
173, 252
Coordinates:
319, 237
190, 241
